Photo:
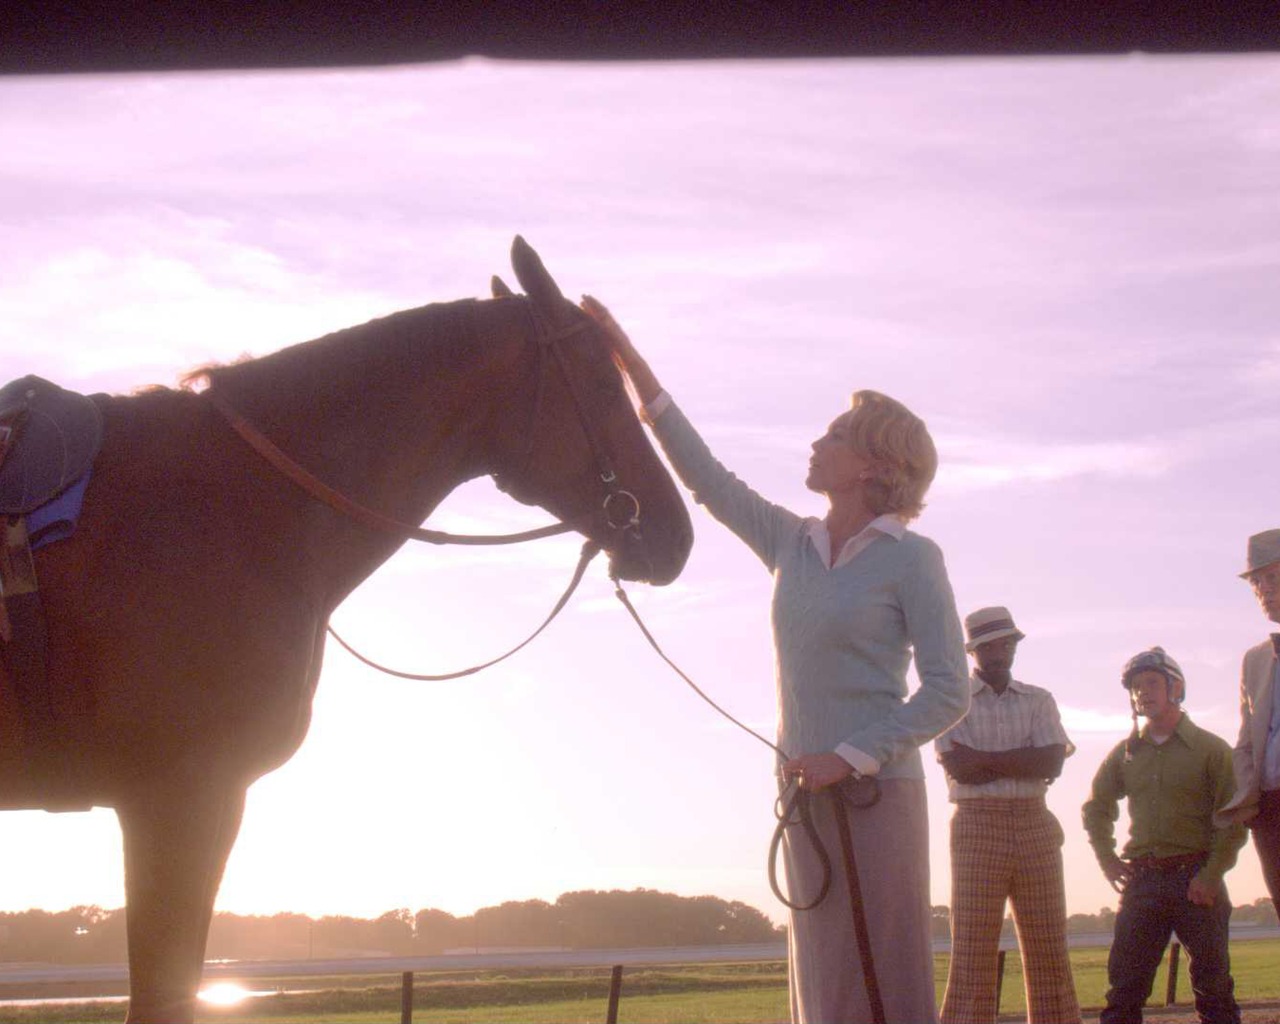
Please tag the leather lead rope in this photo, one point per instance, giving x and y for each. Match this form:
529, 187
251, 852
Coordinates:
621, 595
793, 808
859, 911
589, 551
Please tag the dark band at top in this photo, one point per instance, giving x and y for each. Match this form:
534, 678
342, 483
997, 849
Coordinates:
991, 627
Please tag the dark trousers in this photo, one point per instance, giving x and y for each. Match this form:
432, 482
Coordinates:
1266, 840
1153, 907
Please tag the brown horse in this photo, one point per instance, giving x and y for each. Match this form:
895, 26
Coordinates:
186, 616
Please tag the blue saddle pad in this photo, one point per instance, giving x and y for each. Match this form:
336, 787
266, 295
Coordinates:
56, 519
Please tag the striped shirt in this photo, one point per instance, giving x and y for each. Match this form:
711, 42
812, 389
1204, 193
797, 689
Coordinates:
1022, 716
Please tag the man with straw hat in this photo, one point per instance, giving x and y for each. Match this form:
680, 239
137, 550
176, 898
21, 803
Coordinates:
1256, 801
1175, 776
1006, 845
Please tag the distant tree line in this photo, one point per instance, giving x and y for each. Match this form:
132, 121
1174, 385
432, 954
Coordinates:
577, 920
1259, 912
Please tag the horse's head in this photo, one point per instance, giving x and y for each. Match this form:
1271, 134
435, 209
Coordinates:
578, 449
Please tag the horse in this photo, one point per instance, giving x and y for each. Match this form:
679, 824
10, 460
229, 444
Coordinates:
186, 615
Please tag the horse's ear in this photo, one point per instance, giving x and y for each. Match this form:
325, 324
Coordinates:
535, 280
500, 288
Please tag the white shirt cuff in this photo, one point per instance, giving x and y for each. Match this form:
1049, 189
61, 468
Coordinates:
656, 408
863, 763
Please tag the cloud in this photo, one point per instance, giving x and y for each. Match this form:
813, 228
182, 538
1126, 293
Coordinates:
1086, 720
1262, 373
155, 291
967, 462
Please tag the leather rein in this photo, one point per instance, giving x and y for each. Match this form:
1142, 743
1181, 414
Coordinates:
621, 508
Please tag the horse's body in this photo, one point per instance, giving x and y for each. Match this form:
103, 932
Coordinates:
187, 613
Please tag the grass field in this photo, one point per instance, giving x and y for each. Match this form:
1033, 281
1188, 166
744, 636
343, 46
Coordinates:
747, 993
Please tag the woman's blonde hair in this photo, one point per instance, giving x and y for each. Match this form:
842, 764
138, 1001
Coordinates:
898, 442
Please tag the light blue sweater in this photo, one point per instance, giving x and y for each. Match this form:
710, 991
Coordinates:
843, 637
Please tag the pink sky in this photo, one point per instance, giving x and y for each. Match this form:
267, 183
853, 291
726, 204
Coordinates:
1066, 266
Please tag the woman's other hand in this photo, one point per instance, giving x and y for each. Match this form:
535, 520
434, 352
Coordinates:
817, 771
629, 361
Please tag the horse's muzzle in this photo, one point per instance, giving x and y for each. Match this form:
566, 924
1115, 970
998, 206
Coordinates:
640, 557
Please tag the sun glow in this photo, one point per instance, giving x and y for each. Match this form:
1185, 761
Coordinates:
227, 993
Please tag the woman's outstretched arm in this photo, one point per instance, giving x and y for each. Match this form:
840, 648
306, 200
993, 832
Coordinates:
757, 521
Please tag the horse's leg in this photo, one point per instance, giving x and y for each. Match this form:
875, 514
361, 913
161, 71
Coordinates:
176, 843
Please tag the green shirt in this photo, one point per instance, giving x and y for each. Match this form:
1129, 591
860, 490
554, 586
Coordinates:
1173, 789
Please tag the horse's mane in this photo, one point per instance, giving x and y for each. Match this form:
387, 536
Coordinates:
200, 377
419, 337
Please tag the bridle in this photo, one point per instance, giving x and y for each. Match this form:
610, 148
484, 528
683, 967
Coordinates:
621, 508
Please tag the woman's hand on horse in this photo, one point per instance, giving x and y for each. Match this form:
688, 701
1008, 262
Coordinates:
817, 771
624, 353
619, 344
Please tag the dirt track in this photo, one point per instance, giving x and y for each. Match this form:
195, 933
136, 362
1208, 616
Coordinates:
1185, 1013
1250, 1013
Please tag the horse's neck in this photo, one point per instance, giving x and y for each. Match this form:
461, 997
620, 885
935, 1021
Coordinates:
394, 414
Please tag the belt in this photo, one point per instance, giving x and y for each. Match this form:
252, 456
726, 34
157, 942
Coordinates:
1002, 805
1167, 864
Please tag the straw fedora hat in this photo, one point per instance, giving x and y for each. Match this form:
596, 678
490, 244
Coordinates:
991, 623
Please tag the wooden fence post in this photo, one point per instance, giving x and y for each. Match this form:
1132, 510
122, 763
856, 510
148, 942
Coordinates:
1171, 989
999, 976
406, 998
615, 991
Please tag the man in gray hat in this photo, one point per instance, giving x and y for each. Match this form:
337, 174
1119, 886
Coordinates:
1175, 776
1256, 801
1005, 843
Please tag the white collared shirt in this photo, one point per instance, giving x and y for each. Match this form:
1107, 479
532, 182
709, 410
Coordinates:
889, 524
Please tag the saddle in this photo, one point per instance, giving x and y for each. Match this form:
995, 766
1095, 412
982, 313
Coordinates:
49, 438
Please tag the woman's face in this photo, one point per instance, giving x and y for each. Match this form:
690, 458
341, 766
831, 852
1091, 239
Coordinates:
836, 466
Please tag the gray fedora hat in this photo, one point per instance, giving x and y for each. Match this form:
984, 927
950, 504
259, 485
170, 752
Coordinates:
1264, 549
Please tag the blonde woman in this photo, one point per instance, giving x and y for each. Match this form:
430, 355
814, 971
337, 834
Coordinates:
854, 594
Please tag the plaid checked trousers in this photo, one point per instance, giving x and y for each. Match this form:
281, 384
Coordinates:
1007, 850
